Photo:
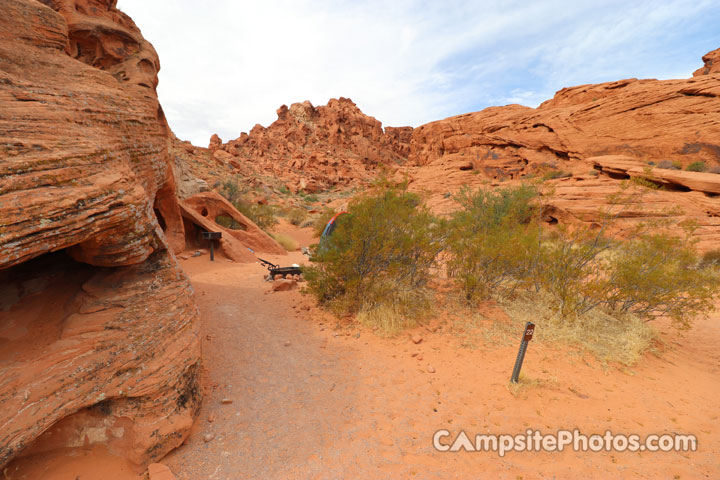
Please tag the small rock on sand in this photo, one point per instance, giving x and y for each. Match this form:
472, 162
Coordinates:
431, 369
416, 339
208, 437
226, 401
283, 285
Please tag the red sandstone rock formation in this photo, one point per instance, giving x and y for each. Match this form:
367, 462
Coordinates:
201, 212
712, 64
314, 148
88, 355
645, 120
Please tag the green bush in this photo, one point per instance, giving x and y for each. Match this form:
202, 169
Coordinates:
493, 242
656, 274
497, 247
670, 165
698, 166
378, 260
296, 216
556, 174
711, 258
262, 215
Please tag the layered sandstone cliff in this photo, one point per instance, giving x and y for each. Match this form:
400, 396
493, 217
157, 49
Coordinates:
650, 122
98, 327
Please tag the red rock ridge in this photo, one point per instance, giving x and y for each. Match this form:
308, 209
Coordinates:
317, 147
650, 121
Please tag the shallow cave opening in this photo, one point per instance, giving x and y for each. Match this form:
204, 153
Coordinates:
35, 298
673, 187
160, 218
616, 175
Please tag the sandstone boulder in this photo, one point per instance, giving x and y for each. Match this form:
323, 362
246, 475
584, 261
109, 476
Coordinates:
89, 355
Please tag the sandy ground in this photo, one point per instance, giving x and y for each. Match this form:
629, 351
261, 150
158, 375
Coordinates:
314, 399
317, 398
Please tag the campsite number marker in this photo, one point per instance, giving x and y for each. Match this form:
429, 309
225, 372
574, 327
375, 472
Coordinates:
527, 336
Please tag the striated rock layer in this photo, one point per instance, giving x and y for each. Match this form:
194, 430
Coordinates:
88, 355
648, 122
314, 148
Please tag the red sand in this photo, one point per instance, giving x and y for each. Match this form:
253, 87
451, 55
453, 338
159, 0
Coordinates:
341, 402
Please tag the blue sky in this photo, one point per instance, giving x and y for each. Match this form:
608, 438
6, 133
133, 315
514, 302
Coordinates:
228, 65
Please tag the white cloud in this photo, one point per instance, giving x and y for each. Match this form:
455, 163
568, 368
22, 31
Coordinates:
227, 65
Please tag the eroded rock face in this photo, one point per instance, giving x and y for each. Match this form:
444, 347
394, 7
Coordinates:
101, 355
314, 148
711, 66
646, 122
647, 119
203, 211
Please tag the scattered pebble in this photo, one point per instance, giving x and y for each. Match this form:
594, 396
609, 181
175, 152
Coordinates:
208, 437
287, 343
416, 339
431, 369
226, 401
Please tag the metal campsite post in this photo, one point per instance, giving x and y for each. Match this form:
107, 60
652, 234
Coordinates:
527, 336
211, 237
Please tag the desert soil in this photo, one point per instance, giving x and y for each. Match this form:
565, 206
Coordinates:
314, 397
317, 398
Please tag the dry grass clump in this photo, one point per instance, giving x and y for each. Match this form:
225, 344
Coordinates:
286, 241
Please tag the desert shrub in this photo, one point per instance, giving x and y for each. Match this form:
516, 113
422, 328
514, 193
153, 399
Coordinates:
556, 174
594, 173
286, 241
228, 222
670, 165
296, 216
262, 215
710, 258
698, 166
646, 183
656, 274
309, 197
378, 260
493, 241
496, 248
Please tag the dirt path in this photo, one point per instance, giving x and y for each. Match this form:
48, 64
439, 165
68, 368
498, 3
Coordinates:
339, 402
